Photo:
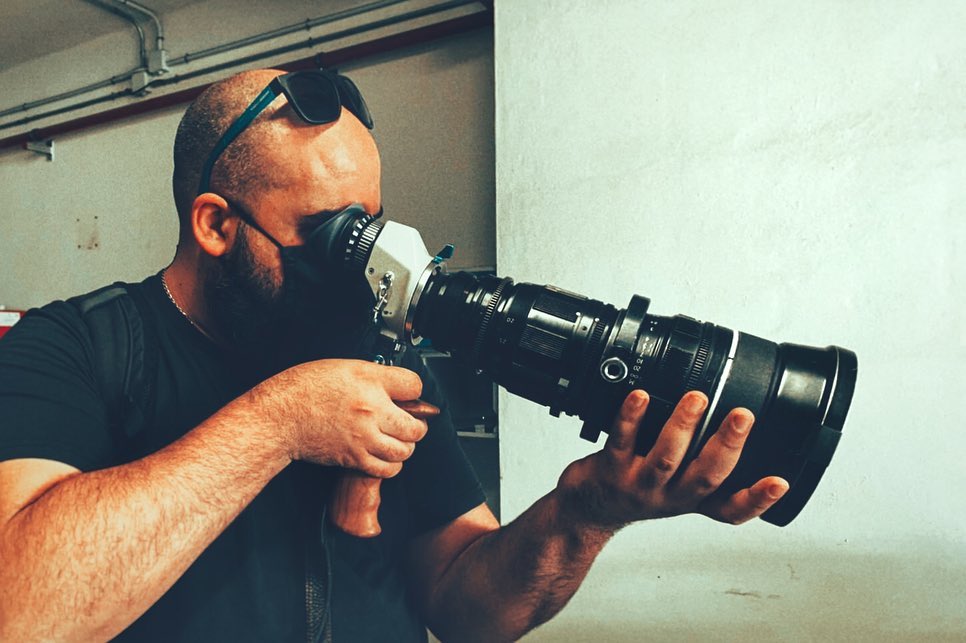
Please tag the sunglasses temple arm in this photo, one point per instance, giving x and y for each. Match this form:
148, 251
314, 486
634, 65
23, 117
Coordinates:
256, 107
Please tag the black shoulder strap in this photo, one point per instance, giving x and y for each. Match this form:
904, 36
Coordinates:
125, 354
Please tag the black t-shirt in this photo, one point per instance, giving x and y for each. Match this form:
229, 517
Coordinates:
250, 584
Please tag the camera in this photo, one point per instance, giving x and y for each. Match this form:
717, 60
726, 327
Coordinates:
581, 356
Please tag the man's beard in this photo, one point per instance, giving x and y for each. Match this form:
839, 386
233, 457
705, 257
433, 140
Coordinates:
273, 333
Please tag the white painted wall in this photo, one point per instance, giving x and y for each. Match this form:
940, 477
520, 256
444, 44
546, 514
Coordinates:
794, 170
102, 210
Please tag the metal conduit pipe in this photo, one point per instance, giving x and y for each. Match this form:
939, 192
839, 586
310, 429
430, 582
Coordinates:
158, 28
308, 43
211, 51
284, 31
113, 80
110, 8
330, 58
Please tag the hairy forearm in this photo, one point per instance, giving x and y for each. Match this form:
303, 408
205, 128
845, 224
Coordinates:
513, 579
95, 551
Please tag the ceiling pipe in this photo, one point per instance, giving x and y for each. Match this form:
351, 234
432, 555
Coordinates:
305, 25
211, 51
159, 65
331, 58
154, 61
308, 43
110, 8
144, 11
113, 80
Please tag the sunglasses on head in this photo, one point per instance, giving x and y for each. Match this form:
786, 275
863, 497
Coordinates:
317, 96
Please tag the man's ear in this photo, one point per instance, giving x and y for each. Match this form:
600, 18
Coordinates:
213, 226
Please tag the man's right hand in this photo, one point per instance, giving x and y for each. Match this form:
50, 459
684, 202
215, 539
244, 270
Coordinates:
342, 412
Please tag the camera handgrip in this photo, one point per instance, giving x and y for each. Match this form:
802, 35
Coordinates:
354, 506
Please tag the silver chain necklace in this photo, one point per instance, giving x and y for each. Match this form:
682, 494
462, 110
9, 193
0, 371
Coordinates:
167, 291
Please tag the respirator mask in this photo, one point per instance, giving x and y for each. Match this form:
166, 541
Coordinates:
582, 357
318, 312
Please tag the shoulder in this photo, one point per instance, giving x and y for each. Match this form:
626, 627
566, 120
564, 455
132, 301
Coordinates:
60, 329
64, 369
57, 327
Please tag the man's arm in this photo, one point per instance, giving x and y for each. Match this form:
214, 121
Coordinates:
480, 582
95, 550
83, 555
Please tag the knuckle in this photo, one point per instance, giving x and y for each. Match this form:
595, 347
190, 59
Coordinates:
735, 436
357, 456
731, 441
390, 453
679, 423
649, 479
402, 451
391, 469
763, 505
411, 382
411, 430
617, 442
725, 515
416, 384
737, 520
370, 466
376, 469
704, 483
420, 430
664, 465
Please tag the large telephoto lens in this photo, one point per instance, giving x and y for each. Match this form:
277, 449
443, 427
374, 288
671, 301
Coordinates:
582, 357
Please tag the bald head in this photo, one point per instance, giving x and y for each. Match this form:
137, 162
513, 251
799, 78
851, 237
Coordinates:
276, 153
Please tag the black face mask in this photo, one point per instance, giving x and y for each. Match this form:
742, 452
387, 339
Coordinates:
321, 311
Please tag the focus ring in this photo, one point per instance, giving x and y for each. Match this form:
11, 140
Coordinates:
487, 316
700, 361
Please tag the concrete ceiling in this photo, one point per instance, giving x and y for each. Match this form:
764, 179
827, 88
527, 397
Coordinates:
33, 28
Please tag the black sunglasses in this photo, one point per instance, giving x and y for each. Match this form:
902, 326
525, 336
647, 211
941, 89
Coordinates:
317, 96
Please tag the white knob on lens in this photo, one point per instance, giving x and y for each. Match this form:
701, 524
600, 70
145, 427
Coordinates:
613, 369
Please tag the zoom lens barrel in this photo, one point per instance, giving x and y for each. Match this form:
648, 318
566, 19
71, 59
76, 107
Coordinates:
582, 357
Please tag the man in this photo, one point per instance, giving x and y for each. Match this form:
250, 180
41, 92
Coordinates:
205, 525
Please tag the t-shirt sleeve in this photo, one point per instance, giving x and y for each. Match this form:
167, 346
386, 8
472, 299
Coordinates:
50, 407
439, 480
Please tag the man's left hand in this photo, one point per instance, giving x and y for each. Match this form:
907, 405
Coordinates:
616, 486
